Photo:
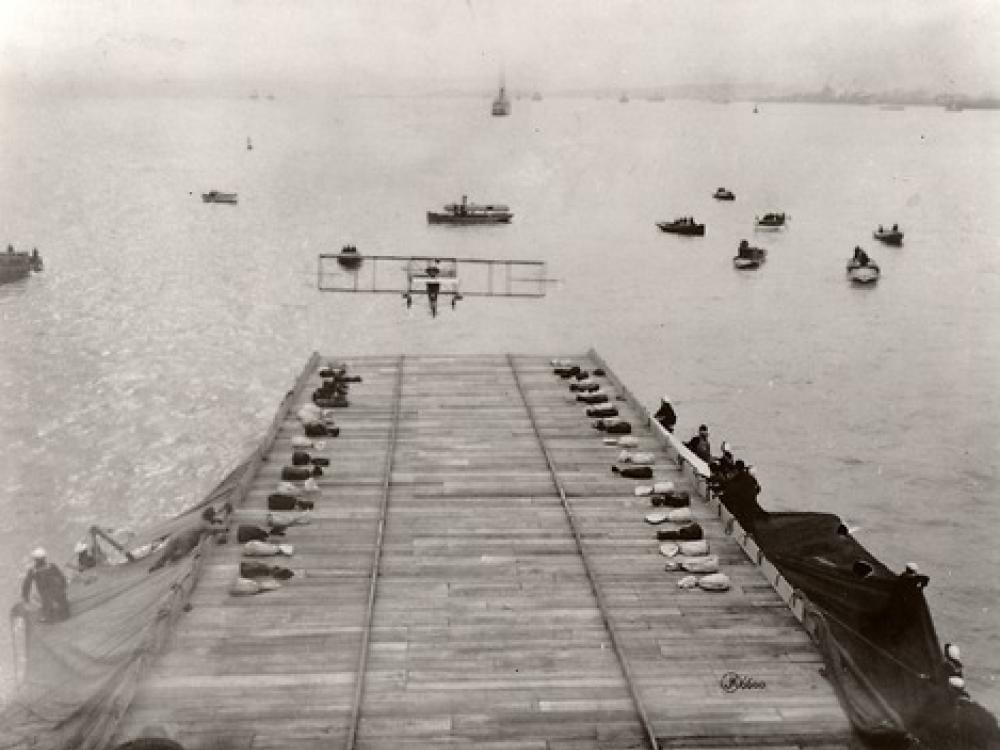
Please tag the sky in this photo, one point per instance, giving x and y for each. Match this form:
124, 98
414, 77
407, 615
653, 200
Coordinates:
358, 47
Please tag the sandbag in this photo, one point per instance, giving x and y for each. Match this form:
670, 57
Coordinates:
296, 473
300, 458
584, 386
663, 487
244, 587
593, 398
308, 413
701, 564
257, 569
694, 548
278, 501
715, 582
639, 458
671, 499
628, 442
267, 549
669, 549
316, 429
656, 518
246, 533
688, 582
690, 532
299, 441
602, 411
680, 515
633, 472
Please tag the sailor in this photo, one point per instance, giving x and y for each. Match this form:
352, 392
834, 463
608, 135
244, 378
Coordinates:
952, 660
895, 227
724, 468
85, 559
699, 444
665, 415
182, 542
51, 585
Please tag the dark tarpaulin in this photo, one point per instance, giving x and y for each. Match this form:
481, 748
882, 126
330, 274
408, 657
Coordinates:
874, 630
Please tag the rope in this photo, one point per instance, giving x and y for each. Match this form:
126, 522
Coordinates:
366, 633
594, 587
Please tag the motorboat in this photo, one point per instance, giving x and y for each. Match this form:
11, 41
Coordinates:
770, 220
16, 264
686, 226
471, 213
722, 194
215, 196
349, 258
863, 273
889, 236
749, 257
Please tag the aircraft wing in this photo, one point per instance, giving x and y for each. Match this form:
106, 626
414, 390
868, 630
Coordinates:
473, 277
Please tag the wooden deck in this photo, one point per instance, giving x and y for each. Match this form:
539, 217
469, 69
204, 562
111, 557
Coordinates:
519, 601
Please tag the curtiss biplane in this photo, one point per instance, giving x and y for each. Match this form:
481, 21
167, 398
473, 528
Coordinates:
435, 276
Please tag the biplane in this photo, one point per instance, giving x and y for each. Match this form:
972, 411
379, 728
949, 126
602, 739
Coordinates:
433, 276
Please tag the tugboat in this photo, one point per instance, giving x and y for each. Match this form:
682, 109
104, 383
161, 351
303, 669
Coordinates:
349, 258
861, 269
471, 213
16, 265
722, 194
686, 226
771, 220
889, 236
749, 257
214, 196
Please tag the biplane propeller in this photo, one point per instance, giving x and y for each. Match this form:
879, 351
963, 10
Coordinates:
433, 276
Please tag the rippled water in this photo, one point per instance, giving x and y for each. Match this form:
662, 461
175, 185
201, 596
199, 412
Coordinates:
153, 350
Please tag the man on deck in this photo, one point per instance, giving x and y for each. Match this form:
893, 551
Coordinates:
51, 585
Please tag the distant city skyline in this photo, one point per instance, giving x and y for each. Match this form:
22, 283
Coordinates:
381, 47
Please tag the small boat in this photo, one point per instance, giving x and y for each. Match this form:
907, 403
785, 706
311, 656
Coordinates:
501, 105
861, 269
686, 226
770, 221
722, 194
864, 274
536, 97
471, 213
214, 196
749, 257
249, 144
755, 110
889, 236
16, 264
623, 99
349, 258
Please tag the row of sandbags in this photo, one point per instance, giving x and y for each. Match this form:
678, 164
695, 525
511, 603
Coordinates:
297, 490
681, 538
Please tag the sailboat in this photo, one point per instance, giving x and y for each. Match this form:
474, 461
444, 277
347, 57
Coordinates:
501, 105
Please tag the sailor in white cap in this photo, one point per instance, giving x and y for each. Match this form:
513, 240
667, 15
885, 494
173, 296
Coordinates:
952, 660
84, 559
51, 585
665, 415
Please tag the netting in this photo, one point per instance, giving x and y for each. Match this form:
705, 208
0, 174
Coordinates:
81, 674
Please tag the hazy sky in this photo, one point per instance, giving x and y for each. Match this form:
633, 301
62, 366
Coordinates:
391, 46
